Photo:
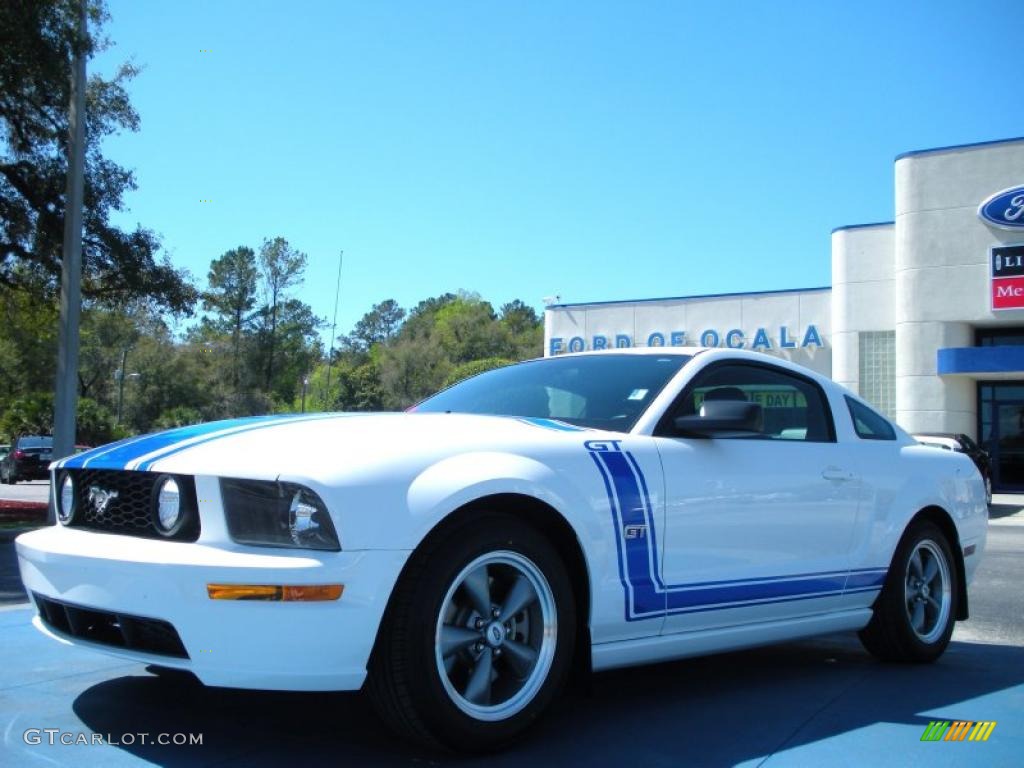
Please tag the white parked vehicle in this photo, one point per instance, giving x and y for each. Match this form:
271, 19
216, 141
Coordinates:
584, 511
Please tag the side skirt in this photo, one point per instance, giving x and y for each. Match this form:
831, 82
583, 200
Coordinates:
626, 653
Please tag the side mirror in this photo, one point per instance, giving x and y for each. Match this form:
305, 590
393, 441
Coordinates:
722, 418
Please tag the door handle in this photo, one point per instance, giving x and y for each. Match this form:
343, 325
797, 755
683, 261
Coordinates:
837, 474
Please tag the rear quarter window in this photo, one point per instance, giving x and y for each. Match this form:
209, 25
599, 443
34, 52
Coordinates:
867, 424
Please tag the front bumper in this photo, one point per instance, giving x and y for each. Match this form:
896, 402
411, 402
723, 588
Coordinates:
299, 646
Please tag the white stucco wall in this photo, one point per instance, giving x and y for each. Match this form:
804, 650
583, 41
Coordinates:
942, 275
793, 311
863, 285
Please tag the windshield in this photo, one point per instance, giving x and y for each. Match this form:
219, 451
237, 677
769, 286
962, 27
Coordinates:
35, 442
600, 391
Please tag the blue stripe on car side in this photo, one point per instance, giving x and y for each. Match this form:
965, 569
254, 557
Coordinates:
627, 588
868, 578
647, 597
649, 514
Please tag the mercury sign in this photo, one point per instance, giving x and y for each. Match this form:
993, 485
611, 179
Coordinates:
1008, 277
734, 338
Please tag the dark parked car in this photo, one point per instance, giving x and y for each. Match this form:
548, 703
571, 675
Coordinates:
29, 459
962, 443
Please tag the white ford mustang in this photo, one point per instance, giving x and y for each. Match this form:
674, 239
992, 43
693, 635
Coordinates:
579, 512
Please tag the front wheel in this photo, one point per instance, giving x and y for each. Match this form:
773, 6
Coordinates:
915, 612
478, 637
988, 489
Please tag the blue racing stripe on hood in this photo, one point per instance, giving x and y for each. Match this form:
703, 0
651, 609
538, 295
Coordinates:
269, 422
117, 455
554, 424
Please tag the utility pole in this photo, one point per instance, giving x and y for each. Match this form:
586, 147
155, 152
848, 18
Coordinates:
66, 398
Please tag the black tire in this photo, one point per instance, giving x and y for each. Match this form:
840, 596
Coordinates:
415, 685
891, 634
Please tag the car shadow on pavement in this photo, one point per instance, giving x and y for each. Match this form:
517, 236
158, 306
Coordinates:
719, 710
996, 511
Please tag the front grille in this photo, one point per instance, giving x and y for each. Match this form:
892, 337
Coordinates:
130, 511
136, 633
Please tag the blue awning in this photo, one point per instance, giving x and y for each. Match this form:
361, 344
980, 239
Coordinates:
980, 360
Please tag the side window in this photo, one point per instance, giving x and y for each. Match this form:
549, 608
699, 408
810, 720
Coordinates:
794, 407
868, 424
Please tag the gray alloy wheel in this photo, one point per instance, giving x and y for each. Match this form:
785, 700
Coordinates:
988, 489
495, 636
479, 635
913, 617
928, 595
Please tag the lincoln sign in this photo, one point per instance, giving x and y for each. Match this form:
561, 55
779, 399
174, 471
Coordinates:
1008, 277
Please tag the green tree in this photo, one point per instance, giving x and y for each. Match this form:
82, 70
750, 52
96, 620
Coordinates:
377, 326
232, 296
282, 268
28, 343
38, 40
474, 367
467, 329
525, 327
411, 370
519, 317
299, 348
32, 414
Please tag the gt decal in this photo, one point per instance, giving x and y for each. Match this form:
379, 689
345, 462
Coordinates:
646, 596
634, 532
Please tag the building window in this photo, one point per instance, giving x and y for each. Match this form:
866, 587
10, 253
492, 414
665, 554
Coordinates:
999, 337
878, 370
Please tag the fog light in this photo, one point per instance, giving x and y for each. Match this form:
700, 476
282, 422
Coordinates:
66, 506
168, 507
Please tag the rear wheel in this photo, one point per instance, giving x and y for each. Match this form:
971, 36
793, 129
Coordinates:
478, 637
988, 489
915, 613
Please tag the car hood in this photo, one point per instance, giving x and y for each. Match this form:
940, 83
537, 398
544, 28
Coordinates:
322, 445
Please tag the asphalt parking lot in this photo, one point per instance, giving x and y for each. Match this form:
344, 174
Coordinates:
813, 703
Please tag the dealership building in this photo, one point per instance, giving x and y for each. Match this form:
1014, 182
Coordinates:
924, 317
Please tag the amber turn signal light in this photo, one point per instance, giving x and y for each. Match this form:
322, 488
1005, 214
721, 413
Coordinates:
275, 592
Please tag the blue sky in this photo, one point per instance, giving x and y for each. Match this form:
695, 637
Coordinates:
595, 150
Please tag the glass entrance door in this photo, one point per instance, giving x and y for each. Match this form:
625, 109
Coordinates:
1001, 429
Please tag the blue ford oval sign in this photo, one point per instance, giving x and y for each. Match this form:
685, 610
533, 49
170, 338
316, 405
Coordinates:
1004, 209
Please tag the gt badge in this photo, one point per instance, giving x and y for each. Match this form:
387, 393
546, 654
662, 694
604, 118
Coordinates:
634, 532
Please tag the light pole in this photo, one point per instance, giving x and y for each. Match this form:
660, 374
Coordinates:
120, 375
66, 395
305, 386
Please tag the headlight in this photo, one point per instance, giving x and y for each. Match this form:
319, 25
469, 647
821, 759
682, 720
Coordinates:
66, 505
172, 510
272, 514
